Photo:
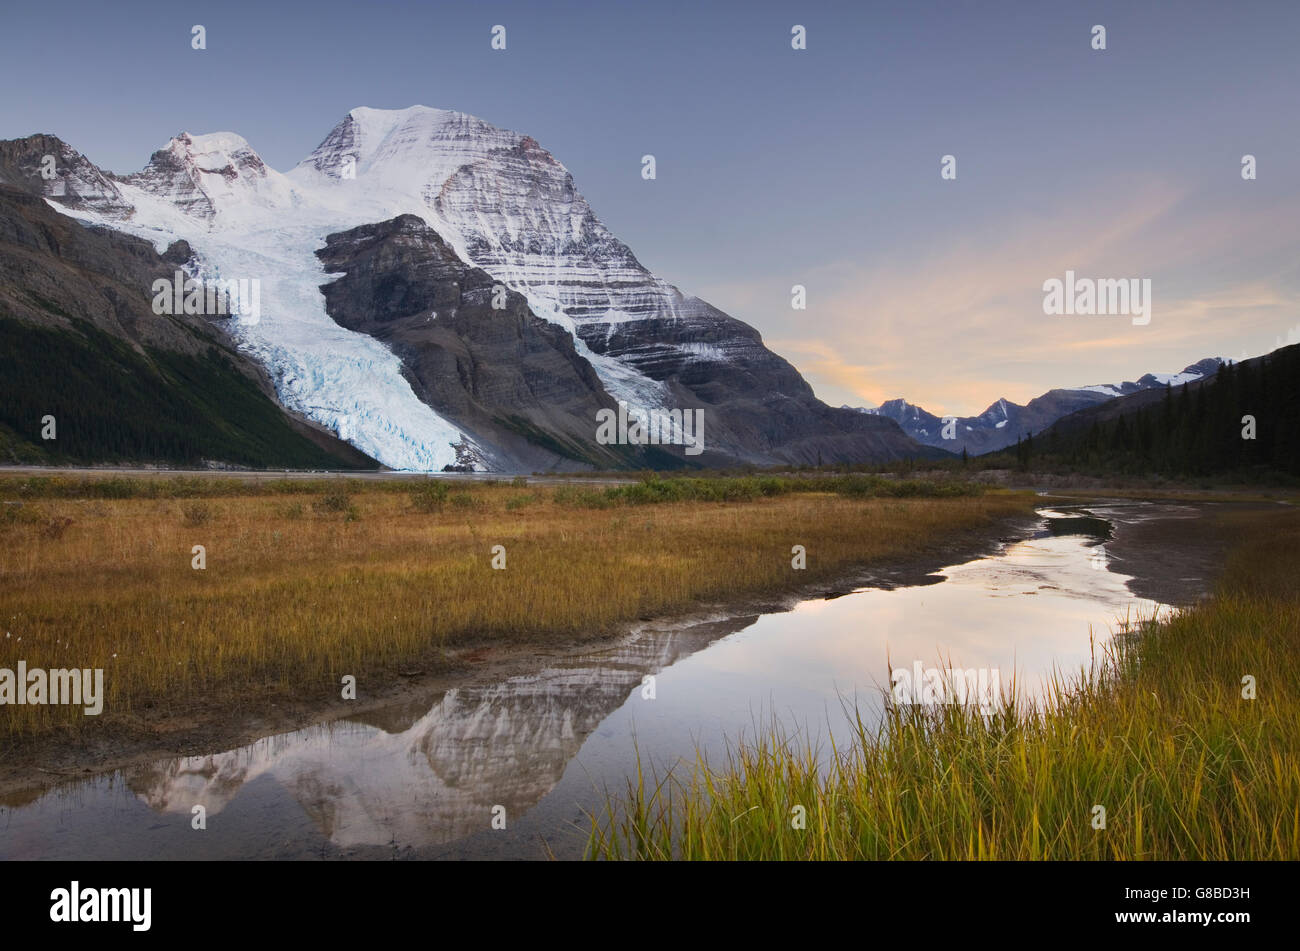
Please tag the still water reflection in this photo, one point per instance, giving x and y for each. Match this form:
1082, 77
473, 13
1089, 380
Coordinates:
422, 781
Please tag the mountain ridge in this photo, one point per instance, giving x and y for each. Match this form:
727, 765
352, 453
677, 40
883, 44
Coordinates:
503, 205
83, 348
1004, 422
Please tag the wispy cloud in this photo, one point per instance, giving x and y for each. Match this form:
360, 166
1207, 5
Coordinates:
959, 327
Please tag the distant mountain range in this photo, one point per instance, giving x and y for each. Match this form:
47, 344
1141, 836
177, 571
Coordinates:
433, 291
1004, 422
1240, 422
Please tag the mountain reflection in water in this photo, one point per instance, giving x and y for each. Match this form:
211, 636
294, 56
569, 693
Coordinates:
422, 780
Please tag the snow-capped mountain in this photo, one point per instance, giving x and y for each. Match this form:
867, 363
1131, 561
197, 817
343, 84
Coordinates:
504, 207
510, 208
76, 181
79, 340
1005, 422
433, 771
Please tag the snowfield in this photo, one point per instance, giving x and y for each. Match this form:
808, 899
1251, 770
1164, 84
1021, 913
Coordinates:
245, 220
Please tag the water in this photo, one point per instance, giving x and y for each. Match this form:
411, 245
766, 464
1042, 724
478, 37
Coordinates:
422, 781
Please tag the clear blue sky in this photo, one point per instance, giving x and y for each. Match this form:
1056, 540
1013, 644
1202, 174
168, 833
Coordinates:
778, 167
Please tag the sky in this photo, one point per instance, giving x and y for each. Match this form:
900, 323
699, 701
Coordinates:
775, 166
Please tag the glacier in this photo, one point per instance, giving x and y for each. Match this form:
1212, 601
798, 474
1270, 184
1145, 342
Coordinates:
499, 201
237, 227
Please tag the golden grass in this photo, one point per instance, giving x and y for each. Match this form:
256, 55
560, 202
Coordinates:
301, 589
1163, 739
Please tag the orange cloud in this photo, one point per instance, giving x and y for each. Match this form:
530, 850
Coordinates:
958, 329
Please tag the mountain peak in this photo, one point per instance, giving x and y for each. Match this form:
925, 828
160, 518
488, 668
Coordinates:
217, 172
78, 182
1207, 367
415, 149
212, 142
1005, 421
225, 153
371, 114
508, 211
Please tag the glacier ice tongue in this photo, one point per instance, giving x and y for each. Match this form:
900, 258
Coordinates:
346, 381
499, 200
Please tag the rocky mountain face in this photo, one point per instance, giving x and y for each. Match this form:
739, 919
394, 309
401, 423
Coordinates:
591, 326
1004, 422
434, 768
513, 210
46, 165
511, 379
83, 345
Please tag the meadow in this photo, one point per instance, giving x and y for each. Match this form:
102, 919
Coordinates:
305, 581
1182, 743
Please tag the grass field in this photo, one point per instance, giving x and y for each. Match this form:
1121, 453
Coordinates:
306, 581
1163, 738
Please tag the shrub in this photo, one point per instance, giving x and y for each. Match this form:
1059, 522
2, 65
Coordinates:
337, 501
116, 488
428, 496
19, 513
519, 501
55, 527
580, 497
196, 513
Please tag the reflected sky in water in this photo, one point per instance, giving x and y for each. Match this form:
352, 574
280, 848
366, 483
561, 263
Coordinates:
421, 781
